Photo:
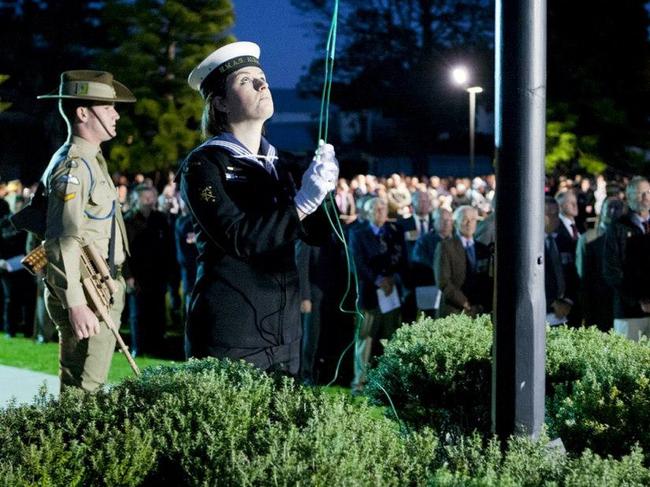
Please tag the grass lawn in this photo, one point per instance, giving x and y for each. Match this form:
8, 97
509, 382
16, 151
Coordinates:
25, 353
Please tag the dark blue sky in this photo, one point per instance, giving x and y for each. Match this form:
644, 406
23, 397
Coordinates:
283, 33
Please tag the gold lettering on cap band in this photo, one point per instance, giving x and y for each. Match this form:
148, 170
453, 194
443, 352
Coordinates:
238, 61
87, 88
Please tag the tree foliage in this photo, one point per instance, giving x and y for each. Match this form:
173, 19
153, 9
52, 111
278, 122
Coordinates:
39, 40
395, 57
157, 45
566, 150
3, 104
598, 71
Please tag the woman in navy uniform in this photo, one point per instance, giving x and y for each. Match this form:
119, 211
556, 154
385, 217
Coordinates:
248, 215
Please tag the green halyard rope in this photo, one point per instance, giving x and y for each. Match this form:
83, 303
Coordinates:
334, 220
323, 122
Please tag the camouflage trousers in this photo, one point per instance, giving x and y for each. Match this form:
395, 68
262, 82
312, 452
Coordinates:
85, 363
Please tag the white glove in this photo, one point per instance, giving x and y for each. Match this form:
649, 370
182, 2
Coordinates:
318, 180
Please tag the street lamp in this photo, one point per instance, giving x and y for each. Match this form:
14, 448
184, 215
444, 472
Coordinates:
460, 76
472, 90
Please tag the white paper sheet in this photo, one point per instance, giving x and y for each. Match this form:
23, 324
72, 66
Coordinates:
388, 303
427, 297
554, 320
13, 264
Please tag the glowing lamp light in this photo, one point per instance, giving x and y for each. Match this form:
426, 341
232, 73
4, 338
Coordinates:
460, 75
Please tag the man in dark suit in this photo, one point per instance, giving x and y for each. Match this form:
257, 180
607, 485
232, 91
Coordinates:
461, 268
568, 234
378, 251
152, 246
317, 267
596, 296
425, 247
626, 262
558, 305
424, 251
420, 223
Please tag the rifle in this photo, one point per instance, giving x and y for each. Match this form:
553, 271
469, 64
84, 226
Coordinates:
98, 284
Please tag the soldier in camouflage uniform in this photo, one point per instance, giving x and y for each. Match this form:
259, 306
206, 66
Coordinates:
82, 208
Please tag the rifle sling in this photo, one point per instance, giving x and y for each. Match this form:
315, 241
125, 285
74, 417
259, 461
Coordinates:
111, 248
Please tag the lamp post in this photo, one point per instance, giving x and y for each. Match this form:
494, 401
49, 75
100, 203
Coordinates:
472, 90
460, 75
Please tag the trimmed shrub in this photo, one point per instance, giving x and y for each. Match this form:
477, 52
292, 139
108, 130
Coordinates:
438, 373
598, 390
215, 422
598, 385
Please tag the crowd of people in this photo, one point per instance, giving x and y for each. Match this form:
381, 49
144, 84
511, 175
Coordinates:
432, 239
409, 237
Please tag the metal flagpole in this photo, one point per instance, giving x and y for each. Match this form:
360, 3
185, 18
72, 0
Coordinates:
520, 308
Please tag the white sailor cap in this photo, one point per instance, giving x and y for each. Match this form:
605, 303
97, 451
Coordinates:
222, 62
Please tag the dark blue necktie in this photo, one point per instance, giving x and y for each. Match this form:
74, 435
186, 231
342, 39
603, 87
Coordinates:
471, 256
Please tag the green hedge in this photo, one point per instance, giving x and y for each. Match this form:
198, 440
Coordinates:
221, 423
438, 374
207, 423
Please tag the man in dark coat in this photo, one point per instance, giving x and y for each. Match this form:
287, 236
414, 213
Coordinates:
186, 253
558, 304
317, 277
567, 237
425, 247
152, 249
596, 296
626, 262
379, 254
419, 224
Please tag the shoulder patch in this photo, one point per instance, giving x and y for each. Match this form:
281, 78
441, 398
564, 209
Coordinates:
64, 187
66, 179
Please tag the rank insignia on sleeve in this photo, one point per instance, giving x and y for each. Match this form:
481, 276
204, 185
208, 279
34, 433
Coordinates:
207, 195
67, 196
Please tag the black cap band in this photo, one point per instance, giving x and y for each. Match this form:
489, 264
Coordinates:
223, 70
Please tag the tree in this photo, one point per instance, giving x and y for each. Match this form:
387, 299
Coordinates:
39, 40
395, 56
598, 70
3, 104
568, 152
157, 43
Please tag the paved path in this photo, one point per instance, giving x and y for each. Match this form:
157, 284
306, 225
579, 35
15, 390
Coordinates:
24, 384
